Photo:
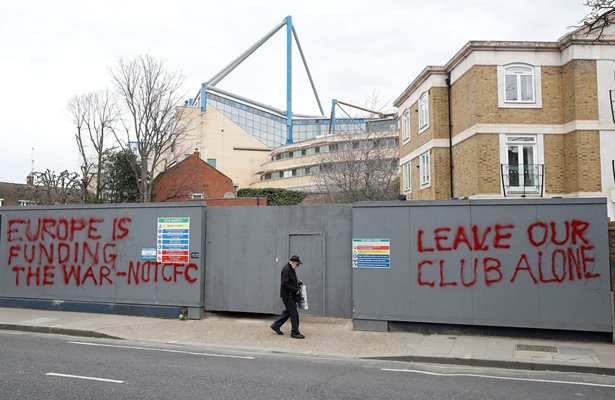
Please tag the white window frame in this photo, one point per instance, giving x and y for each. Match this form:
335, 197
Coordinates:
425, 169
423, 108
405, 126
406, 170
536, 73
508, 138
197, 196
1, 202
26, 203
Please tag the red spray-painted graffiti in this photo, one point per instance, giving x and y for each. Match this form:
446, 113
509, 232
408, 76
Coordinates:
555, 252
79, 251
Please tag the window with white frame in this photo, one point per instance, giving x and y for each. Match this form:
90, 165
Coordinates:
519, 85
523, 171
25, 203
405, 126
425, 169
196, 196
423, 112
1, 202
406, 171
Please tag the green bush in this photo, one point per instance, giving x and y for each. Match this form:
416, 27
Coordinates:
275, 197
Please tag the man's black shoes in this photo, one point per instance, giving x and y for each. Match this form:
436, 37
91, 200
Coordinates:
297, 336
276, 330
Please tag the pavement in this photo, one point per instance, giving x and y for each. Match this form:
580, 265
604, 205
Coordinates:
325, 337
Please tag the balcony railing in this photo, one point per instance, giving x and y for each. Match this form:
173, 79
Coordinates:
522, 179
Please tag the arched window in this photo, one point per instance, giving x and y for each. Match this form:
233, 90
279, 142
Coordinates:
424, 112
405, 126
519, 84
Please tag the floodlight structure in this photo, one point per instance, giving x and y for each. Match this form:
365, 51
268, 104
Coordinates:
272, 126
291, 33
360, 122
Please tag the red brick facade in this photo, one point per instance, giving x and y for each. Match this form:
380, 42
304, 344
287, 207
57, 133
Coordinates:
192, 179
238, 201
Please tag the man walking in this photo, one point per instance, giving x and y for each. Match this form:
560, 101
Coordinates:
290, 292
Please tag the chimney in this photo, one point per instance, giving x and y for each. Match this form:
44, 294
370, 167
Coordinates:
30, 180
196, 151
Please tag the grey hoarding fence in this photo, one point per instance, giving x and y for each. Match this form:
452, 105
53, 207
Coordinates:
539, 264
515, 263
248, 246
107, 257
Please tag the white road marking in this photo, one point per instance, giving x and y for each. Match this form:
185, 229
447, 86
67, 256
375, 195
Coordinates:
90, 378
162, 350
498, 377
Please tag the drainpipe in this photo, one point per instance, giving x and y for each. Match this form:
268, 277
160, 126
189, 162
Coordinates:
450, 137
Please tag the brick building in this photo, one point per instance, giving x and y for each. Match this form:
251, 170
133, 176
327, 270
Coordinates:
523, 119
194, 179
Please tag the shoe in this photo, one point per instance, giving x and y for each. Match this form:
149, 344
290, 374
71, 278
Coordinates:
297, 336
276, 330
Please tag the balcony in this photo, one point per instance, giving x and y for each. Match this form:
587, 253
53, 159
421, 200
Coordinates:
522, 179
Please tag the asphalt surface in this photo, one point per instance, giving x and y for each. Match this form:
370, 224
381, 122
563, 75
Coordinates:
325, 337
61, 367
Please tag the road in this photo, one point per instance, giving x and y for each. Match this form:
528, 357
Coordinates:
37, 366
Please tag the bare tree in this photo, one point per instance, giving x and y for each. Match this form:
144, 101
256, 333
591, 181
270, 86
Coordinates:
598, 17
360, 166
361, 162
50, 187
151, 119
94, 116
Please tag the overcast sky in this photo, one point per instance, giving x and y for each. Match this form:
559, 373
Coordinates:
51, 51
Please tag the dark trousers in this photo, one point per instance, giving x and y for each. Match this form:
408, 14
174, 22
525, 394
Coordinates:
289, 312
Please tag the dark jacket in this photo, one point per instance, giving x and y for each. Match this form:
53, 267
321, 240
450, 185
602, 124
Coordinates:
289, 285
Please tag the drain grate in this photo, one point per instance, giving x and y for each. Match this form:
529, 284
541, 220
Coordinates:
533, 347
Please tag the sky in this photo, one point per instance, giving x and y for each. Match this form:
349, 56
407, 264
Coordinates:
51, 51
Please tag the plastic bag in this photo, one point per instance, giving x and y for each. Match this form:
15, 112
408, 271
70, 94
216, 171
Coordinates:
303, 302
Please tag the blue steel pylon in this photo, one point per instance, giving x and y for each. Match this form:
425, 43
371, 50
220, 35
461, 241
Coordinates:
290, 33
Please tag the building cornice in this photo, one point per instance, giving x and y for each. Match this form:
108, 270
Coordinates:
571, 39
528, 129
425, 73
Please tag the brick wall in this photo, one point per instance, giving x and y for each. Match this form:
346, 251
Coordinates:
580, 90
555, 164
438, 113
440, 186
237, 201
440, 174
582, 162
474, 99
192, 175
477, 166
466, 167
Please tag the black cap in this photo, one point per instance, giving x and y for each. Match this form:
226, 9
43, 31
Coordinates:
295, 258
